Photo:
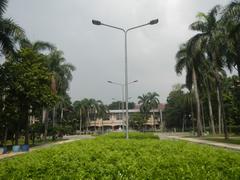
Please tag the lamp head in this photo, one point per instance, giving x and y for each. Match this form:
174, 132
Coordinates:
109, 81
154, 21
96, 22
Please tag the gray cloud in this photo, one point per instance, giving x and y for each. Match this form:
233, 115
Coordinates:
97, 52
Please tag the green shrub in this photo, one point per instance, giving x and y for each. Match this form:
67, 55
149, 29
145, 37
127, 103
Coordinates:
112, 157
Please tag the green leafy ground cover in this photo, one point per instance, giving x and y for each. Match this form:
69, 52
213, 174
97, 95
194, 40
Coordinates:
143, 156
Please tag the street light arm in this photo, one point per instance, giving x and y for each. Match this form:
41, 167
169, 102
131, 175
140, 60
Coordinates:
135, 27
133, 82
113, 27
111, 82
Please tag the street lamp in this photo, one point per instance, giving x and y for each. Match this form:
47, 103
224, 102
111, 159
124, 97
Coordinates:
152, 22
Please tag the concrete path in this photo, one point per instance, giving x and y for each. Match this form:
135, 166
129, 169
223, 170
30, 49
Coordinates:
200, 141
66, 139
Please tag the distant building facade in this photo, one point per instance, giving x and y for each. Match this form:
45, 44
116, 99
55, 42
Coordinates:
117, 119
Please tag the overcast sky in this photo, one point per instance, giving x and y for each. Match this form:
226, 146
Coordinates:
97, 52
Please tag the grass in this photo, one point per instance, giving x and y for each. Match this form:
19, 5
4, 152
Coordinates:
231, 140
143, 156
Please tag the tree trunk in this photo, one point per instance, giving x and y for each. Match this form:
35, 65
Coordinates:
224, 122
183, 123
5, 135
199, 123
192, 118
210, 112
53, 116
154, 124
16, 135
26, 134
203, 117
80, 120
61, 118
219, 111
46, 125
88, 120
102, 127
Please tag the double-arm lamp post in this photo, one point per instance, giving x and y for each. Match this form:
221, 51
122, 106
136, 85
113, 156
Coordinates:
152, 22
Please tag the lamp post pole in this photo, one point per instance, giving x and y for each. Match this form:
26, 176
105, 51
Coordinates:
152, 22
122, 88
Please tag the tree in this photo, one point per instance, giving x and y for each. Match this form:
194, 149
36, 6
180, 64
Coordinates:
153, 104
144, 106
212, 42
28, 81
187, 58
136, 121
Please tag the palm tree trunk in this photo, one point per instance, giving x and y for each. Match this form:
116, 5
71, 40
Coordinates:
16, 135
95, 123
154, 124
203, 117
192, 117
5, 135
88, 120
53, 115
219, 111
224, 122
80, 120
199, 123
183, 123
61, 117
102, 127
210, 112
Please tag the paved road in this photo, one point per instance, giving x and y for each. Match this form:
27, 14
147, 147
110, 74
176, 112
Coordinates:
66, 139
199, 141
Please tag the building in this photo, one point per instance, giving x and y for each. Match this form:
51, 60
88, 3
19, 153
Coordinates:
116, 121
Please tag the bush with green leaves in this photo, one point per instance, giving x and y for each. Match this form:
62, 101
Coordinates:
143, 156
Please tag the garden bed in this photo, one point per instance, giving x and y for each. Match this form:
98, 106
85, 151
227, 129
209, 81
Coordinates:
143, 156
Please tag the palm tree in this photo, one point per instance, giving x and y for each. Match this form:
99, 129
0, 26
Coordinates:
79, 108
188, 58
61, 74
188, 102
231, 23
9, 31
144, 105
86, 111
102, 111
208, 80
211, 37
153, 103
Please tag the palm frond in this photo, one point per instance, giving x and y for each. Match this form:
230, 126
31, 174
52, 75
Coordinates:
3, 6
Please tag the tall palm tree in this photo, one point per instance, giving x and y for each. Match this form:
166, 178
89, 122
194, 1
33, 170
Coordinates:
211, 37
208, 80
190, 61
61, 74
